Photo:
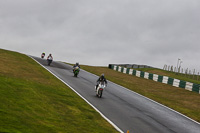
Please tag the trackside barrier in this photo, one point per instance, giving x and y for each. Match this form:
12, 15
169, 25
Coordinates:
158, 78
146, 75
189, 86
124, 70
119, 69
142, 74
130, 71
115, 68
155, 77
134, 72
176, 82
137, 73
165, 79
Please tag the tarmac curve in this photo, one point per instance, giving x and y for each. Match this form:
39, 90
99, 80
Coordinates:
124, 109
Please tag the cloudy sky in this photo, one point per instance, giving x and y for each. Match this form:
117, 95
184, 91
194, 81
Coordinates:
99, 32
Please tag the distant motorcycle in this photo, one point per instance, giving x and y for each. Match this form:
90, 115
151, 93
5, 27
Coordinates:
76, 71
100, 89
42, 56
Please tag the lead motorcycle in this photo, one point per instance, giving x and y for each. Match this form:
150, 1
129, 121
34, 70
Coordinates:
76, 71
100, 89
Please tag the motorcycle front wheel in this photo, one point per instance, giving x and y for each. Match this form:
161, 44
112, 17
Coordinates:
49, 62
75, 74
100, 92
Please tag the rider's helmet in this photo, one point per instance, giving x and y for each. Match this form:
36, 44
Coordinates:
102, 75
77, 63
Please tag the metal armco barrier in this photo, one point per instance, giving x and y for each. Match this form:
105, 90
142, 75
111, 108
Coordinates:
158, 78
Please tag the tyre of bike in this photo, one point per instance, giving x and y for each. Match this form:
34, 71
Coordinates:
75, 73
49, 62
100, 92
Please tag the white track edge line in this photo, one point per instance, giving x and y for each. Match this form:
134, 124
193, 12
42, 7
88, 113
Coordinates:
153, 101
117, 128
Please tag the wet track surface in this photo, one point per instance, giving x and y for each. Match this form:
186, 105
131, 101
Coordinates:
125, 108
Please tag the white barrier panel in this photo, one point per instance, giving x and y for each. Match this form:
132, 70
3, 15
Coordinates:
189, 86
146, 75
124, 70
131, 71
165, 79
155, 77
137, 73
115, 68
176, 82
119, 69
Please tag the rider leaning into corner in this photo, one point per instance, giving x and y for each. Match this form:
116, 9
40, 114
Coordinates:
100, 79
76, 65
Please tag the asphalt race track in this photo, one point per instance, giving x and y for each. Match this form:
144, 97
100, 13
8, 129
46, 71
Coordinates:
126, 109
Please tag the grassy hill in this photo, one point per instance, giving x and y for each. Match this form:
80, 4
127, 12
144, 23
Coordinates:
181, 100
34, 101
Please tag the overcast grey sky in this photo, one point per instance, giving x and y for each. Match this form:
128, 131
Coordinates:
99, 32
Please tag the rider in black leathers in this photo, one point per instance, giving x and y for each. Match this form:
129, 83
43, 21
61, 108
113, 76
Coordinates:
49, 59
101, 78
76, 65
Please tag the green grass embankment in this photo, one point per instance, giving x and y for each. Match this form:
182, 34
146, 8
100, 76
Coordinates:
34, 101
181, 100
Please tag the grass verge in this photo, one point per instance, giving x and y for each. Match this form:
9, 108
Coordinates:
181, 100
33, 100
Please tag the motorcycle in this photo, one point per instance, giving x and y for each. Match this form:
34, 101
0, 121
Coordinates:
42, 56
49, 61
76, 71
100, 89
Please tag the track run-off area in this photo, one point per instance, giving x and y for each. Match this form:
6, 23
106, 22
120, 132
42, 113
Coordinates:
123, 108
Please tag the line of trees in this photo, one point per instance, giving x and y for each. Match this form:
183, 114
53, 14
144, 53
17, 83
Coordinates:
184, 72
